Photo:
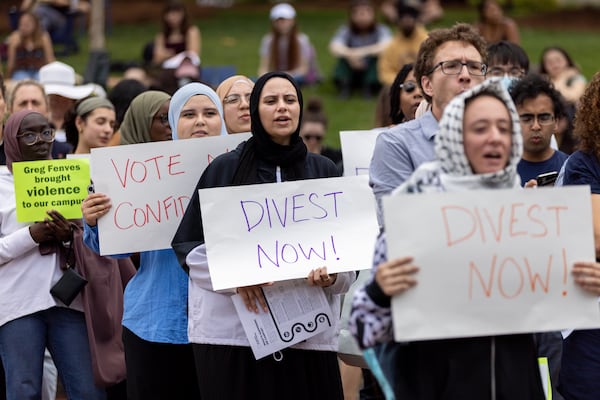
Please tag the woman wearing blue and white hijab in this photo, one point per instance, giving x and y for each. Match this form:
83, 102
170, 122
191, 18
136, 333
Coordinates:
196, 111
477, 146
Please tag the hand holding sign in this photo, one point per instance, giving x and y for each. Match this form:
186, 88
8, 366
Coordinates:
587, 275
95, 206
396, 276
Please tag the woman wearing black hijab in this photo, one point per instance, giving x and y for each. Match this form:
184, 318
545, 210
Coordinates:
224, 361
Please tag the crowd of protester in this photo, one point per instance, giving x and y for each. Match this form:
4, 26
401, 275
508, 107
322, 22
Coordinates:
149, 325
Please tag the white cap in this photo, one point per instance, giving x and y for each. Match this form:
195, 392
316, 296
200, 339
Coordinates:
283, 10
59, 78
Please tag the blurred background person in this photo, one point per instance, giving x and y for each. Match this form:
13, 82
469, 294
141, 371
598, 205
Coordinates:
357, 45
566, 77
60, 84
405, 95
559, 67
178, 35
405, 43
493, 25
121, 96
285, 48
28, 95
430, 10
234, 93
29, 49
176, 49
508, 61
313, 130
398, 102
53, 14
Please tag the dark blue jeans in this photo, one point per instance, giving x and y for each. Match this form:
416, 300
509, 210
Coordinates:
63, 332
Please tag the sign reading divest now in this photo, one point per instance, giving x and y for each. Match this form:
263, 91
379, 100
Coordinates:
278, 231
150, 185
491, 262
50, 185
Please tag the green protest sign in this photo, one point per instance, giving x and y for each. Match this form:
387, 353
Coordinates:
50, 185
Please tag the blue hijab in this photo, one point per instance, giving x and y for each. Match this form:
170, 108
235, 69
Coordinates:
183, 94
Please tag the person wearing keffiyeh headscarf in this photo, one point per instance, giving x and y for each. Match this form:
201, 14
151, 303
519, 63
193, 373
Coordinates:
478, 146
274, 153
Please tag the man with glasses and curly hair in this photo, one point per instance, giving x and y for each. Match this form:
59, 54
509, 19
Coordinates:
450, 61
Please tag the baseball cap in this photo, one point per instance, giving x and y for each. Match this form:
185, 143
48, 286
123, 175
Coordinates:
283, 10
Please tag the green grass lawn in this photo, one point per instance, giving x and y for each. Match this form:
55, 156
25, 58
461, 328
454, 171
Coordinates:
232, 36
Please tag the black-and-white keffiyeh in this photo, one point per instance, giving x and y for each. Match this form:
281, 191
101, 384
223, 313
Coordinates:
452, 171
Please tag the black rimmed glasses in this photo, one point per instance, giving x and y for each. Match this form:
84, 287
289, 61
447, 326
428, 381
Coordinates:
408, 86
454, 67
163, 119
30, 138
542, 119
236, 99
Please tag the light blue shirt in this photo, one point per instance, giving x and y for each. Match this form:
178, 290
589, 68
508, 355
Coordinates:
155, 299
397, 154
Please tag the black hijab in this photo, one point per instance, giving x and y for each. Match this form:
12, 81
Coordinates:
261, 147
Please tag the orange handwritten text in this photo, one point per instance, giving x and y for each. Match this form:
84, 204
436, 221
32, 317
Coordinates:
510, 277
462, 224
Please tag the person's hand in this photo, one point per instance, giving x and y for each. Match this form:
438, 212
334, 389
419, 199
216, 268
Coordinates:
60, 227
532, 183
95, 206
396, 276
320, 277
41, 232
253, 295
357, 63
587, 275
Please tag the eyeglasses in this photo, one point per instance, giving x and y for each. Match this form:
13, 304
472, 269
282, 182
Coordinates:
542, 119
454, 67
316, 137
408, 86
30, 138
498, 72
236, 98
164, 119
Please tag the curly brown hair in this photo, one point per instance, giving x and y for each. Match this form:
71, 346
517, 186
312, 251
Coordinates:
460, 32
587, 118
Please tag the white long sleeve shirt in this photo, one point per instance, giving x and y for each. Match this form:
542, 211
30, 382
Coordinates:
26, 276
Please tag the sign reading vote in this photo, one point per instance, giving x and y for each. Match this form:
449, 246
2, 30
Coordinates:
277, 231
357, 150
50, 185
491, 262
150, 185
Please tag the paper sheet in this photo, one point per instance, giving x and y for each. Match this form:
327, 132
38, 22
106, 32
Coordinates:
296, 312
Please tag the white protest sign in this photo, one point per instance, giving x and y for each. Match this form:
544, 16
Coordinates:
150, 185
357, 150
491, 262
278, 231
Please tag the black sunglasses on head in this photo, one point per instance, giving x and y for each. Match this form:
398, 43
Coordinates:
409, 86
